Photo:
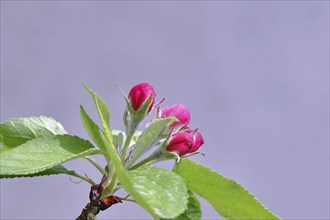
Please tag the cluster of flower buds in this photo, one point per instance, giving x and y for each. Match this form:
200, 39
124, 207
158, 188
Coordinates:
182, 140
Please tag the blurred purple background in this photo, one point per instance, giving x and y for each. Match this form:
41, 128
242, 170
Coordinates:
255, 75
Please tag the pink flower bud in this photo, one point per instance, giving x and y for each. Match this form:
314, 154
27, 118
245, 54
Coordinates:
139, 94
184, 142
181, 143
178, 111
198, 140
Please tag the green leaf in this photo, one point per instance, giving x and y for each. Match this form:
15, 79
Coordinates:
92, 128
228, 198
193, 212
163, 191
148, 137
17, 131
59, 169
139, 192
103, 111
43, 153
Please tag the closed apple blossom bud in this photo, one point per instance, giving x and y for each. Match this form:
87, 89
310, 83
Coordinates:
178, 111
181, 143
139, 94
198, 140
184, 142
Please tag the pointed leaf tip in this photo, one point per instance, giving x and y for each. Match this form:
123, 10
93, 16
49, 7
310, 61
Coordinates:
229, 199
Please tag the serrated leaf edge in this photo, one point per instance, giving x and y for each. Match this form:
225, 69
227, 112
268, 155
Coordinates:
40, 169
6, 176
244, 189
